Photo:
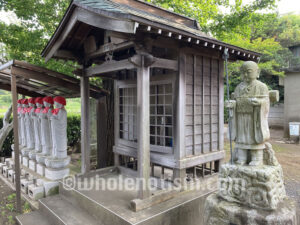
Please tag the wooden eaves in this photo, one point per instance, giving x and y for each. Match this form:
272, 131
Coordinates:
36, 81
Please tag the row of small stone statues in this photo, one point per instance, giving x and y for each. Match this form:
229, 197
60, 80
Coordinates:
43, 135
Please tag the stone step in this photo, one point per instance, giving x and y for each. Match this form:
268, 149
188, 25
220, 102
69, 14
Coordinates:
62, 212
35, 217
98, 211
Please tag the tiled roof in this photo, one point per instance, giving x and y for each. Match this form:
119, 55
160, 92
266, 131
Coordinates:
111, 6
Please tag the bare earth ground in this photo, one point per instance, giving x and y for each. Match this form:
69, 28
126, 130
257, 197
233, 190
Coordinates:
8, 205
288, 156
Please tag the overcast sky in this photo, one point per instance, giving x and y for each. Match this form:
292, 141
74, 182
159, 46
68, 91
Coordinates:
284, 6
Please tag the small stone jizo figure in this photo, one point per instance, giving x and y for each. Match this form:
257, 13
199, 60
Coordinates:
250, 109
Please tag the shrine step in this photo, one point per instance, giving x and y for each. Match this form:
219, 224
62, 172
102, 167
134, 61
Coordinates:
35, 217
98, 211
60, 211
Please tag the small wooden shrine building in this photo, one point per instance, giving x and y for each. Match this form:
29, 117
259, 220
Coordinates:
168, 84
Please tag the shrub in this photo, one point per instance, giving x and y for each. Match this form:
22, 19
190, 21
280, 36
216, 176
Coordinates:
73, 134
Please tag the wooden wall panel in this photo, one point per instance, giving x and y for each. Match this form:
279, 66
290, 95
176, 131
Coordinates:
202, 112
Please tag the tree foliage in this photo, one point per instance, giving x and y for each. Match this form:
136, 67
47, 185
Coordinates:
28, 35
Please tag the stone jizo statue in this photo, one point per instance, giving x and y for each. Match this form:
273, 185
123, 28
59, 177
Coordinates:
29, 124
46, 129
250, 109
59, 128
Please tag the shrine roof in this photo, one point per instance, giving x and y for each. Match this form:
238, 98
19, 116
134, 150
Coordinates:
37, 81
138, 16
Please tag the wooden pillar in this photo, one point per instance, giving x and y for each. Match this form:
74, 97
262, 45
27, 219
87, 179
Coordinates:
102, 133
85, 124
180, 117
16, 141
143, 127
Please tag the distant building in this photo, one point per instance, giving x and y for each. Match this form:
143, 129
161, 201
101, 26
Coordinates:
292, 91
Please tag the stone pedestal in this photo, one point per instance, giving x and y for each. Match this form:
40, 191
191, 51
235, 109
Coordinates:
51, 188
56, 174
257, 187
24, 185
57, 163
36, 191
25, 151
5, 171
221, 212
40, 169
32, 165
11, 176
25, 161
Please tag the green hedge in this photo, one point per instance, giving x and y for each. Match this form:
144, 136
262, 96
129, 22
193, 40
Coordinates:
73, 133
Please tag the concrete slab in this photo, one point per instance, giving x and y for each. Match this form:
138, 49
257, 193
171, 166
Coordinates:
33, 218
113, 206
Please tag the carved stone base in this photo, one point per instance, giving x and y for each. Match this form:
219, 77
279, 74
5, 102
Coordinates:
57, 163
32, 154
257, 187
40, 158
25, 151
56, 174
221, 212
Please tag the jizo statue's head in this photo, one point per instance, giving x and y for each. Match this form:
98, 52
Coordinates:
48, 101
250, 71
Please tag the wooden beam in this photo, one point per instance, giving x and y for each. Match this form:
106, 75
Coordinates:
22, 91
85, 125
165, 64
108, 67
16, 142
143, 116
109, 47
65, 54
53, 81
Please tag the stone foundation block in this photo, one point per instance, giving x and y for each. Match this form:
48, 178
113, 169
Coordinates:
51, 188
32, 165
36, 192
1, 167
5, 171
221, 212
40, 169
56, 174
11, 176
24, 185
257, 187
25, 161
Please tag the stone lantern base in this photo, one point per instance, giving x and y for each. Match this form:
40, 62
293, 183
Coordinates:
221, 212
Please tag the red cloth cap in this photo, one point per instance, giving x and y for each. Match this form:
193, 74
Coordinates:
48, 99
20, 101
39, 100
60, 100
25, 101
31, 100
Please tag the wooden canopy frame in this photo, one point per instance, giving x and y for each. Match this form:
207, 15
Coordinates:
35, 81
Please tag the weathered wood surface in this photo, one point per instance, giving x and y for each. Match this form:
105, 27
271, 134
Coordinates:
16, 142
203, 99
143, 132
85, 125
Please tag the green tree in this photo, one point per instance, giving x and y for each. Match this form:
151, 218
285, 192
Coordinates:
28, 35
